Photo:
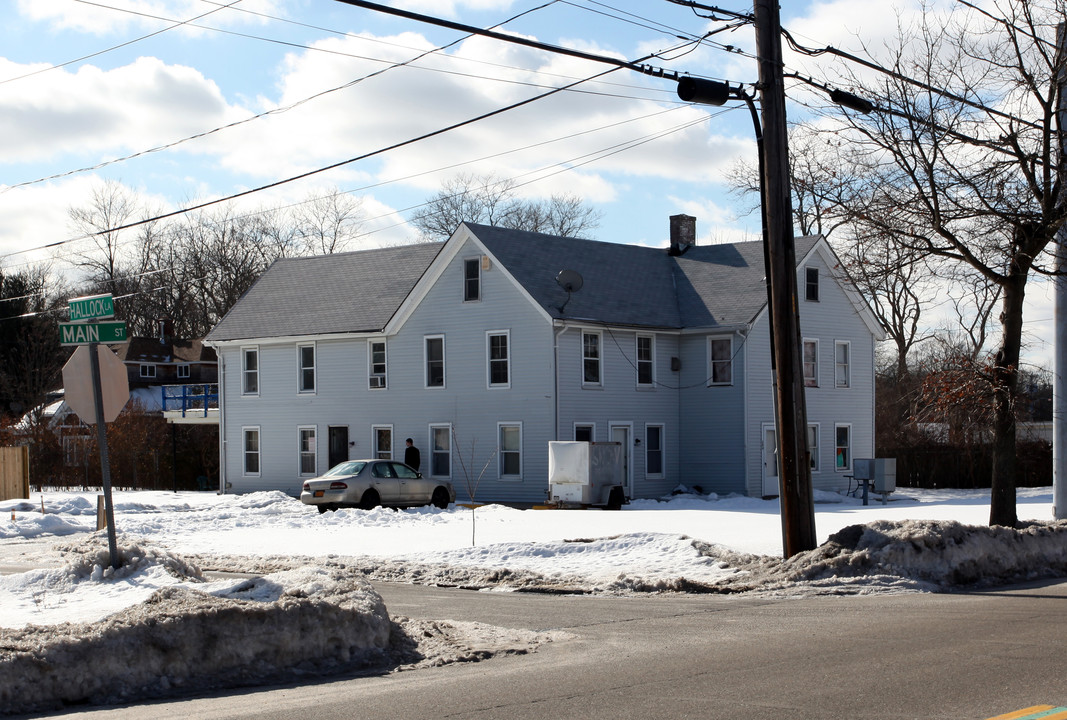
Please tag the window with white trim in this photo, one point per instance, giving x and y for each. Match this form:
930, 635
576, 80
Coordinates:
654, 451
813, 446
308, 449
251, 450
472, 279
435, 361
184, 371
250, 371
843, 447
842, 371
382, 441
811, 284
148, 371
305, 360
499, 360
720, 360
811, 363
509, 449
376, 362
646, 353
441, 450
590, 358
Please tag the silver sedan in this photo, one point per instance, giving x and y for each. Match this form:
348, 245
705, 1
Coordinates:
369, 483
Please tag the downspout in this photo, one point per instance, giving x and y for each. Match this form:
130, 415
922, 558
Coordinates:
222, 422
555, 389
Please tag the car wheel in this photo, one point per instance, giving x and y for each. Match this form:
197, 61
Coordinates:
440, 498
370, 500
323, 508
615, 499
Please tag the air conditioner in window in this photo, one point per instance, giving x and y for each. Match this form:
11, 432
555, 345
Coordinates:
377, 381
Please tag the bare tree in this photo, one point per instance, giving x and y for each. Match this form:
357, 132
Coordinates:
327, 224
971, 175
491, 200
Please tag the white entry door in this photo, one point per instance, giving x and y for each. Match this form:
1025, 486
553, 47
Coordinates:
621, 434
770, 461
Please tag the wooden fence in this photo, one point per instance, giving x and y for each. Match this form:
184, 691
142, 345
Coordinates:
14, 472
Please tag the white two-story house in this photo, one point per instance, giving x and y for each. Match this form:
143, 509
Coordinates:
491, 344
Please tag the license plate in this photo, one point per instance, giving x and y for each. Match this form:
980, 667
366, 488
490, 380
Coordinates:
320, 493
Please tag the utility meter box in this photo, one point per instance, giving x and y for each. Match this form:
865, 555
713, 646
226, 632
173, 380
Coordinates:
880, 472
585, 473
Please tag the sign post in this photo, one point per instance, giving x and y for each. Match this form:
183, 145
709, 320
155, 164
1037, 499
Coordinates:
86, 330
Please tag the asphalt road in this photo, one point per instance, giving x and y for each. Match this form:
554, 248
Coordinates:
921, 656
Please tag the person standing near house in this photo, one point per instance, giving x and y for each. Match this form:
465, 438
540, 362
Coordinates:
412, 458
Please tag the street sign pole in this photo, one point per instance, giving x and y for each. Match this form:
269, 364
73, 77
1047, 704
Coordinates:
105, 462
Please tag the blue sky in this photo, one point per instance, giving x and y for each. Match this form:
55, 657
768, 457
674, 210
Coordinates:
129, 79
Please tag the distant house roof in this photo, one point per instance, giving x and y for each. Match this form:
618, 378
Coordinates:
631, 285
151, 350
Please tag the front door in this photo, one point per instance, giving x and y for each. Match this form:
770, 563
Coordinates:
338, 444
621, 434
770, 461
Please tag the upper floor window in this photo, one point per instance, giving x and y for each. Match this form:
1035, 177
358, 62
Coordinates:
645, 354
499, 360
148, 371
590, 358
472, 279
250, 371
435, 361
811, 284
842, 350
376, 363
184, 371
811, 363
306, 368
721, 357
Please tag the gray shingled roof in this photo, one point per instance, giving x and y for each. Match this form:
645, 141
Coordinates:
707, 286
346, 292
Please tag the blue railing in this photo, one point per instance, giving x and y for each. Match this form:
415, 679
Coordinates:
194, 400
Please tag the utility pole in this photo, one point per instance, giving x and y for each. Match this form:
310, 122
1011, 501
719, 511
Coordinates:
1059, 380
794, 468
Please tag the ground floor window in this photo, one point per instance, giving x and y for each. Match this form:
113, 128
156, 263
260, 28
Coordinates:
584, 432
843, 447
654, 450
308, 450
383, 442
510, 449
813, 446
441, 450
251, 450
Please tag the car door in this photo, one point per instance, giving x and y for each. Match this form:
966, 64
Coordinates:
414, 490
384, 480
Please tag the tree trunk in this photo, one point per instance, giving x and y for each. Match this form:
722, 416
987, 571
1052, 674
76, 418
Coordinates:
1005, 389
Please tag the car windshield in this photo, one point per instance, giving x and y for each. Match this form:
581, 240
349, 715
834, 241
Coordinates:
345, 468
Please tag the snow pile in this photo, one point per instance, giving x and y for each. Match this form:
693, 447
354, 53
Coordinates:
923, 555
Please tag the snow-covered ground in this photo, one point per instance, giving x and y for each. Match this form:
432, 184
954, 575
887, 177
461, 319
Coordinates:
62, 603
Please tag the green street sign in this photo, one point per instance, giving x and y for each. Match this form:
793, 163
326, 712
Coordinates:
85, 333
93, 306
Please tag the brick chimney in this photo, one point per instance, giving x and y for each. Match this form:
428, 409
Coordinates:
683, 234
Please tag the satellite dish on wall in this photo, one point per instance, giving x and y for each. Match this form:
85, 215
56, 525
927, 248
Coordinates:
571, 281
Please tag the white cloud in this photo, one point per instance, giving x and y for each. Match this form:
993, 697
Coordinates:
138, 15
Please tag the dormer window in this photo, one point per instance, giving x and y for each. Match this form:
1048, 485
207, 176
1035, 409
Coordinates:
472, 279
